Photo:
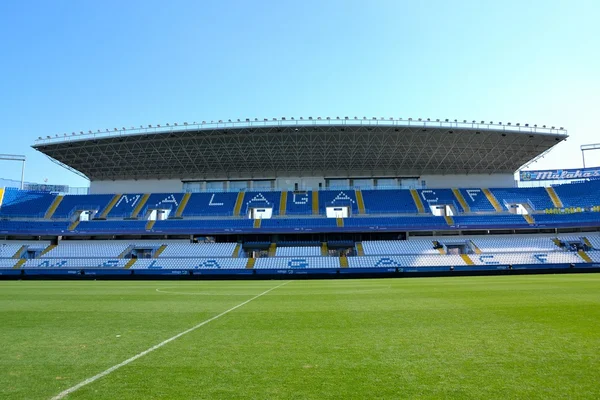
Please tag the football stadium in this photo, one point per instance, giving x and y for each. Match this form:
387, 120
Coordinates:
193, 266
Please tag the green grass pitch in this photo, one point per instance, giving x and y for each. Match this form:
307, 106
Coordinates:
529, 337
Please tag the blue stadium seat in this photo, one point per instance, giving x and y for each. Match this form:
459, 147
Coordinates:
465, 221
299, 203
477, 200
434, 197
163, 201
23, 203
392, 201
72, 203
261, 199
536, 197
210, 205
337, 198
125, 205
579, 194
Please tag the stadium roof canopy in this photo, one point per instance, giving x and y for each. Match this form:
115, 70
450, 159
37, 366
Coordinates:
301, 147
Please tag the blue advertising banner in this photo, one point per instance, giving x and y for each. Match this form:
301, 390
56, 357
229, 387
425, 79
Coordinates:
560, 174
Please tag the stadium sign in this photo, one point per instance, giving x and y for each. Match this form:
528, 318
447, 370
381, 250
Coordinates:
560, 174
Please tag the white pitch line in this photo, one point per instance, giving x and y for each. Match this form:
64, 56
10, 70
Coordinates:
70, 390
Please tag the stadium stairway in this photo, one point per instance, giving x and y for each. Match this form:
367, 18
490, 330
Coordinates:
360, 201
110, 206
461, 200
359, 249
238, 204
557, 242
150, 224
47, 249
124, 252
476, 249
50, 212
529, 219
315, 202
20, 263
324, 249
343, 261
339, 222
130, 263
272, 250
554, 197
283, 202
19, 252
584, 256
587, 242
250, 263
182, 205
73, 225
449, 220
236, 251
417, 200
1, 196
140, 205
492, 199
257, 223
159, 251
467, 259
437, 245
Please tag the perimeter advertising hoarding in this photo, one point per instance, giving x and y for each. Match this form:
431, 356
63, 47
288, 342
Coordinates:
560, 174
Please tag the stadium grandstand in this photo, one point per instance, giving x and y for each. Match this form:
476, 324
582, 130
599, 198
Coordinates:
318, 196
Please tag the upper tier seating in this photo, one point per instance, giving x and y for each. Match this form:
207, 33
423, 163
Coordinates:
261, 199
415, 223
536, 197
198, 250
466, 221
432, 197
73, 203
118, 226
23, 203
215, 224
394, 201
210, 204
27, 227
296, 262
337, 198
125, 205
162, 201
390, 247
295, 251
300, 223
579, 194
477, 200
585, 218
299, 203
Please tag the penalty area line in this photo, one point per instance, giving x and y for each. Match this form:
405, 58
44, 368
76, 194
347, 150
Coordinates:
102, 374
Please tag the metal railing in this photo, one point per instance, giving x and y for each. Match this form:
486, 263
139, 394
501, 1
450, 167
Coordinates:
300, 122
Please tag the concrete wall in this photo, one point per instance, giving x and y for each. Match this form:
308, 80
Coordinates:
469, 181
133, 186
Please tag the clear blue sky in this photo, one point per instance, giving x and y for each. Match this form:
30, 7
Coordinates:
79, 65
